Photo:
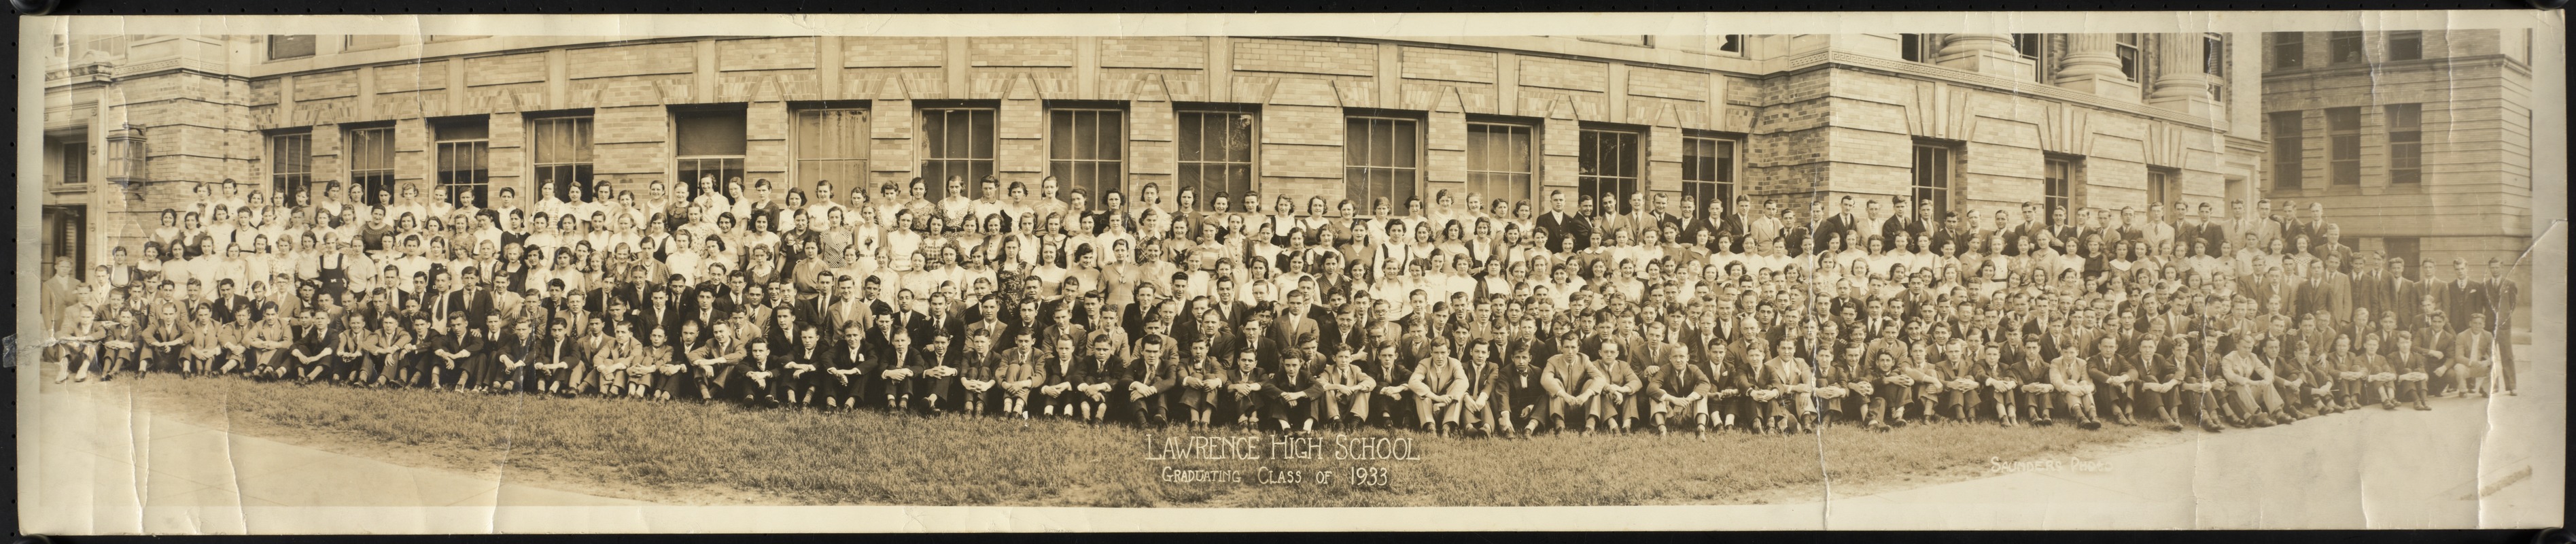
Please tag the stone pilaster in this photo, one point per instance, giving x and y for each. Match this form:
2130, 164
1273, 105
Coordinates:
1984, 54
2093, 65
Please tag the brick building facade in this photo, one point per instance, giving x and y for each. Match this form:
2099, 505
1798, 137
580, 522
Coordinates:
2417, 142
1985, 121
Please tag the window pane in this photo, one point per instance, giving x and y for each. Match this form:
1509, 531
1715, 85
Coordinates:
1932, 176
1405, 146
831, 145
1085, 147
287, 46
1215, 154
1609, 174
1113, 135
711, 133
2341, 119
462, 129
1060, 135
1190, 144
980, 135
960, 145
1238, 137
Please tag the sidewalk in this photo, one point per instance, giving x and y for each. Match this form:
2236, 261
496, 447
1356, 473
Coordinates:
133, 471
2467, 463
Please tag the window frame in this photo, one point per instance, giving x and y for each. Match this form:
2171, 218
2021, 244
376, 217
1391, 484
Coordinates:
928, 153
1193, 174
2414, 51
2131, 49
1528, 177
685, 169
2345, 43
73, 153
2405, 126
1918, 47
289, 177
798, 163
2343, 146
1942, 186
575, 171
2289, 148
312, 45
2034, 48
2161, 187
2213, 54
1066, 181
1363, 193
1719, 183
351, 42
355, 141
2289, 50
2214, 62
1587, 178
2057, 186
448, 167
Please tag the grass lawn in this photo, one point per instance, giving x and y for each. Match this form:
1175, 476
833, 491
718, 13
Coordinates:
687, 453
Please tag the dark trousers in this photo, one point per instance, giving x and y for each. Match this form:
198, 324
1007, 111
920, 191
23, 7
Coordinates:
1151, 409
1295, 413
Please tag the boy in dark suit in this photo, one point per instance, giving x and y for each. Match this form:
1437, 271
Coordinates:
1244, 382
1672, 387
847, 375
1346, 388
761, 376
453, 350
1100, 376
1147, 377
1059, 373
1292, 394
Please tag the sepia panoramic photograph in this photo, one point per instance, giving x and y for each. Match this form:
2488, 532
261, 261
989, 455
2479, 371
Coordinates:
749, 276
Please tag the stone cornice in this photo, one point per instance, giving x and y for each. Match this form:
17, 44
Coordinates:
2367, 68
1813, 59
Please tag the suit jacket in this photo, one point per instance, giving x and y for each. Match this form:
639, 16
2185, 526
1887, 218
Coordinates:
1353, 374
1285, 382
1561, 228
2502, 295
554, 351
1674, 381
455, 341
1439, 377
647, 318
2462, 298
1265, 348
2435, 339
1572, 374
1018, 365
1163, 375
1100, 370
1388, 373
475, 304
1901, 223
1286, 333
727, 352
773, 363
238, 307
918, 326
1620, 373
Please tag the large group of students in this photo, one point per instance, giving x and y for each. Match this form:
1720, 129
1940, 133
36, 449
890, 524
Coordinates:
1489, 317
